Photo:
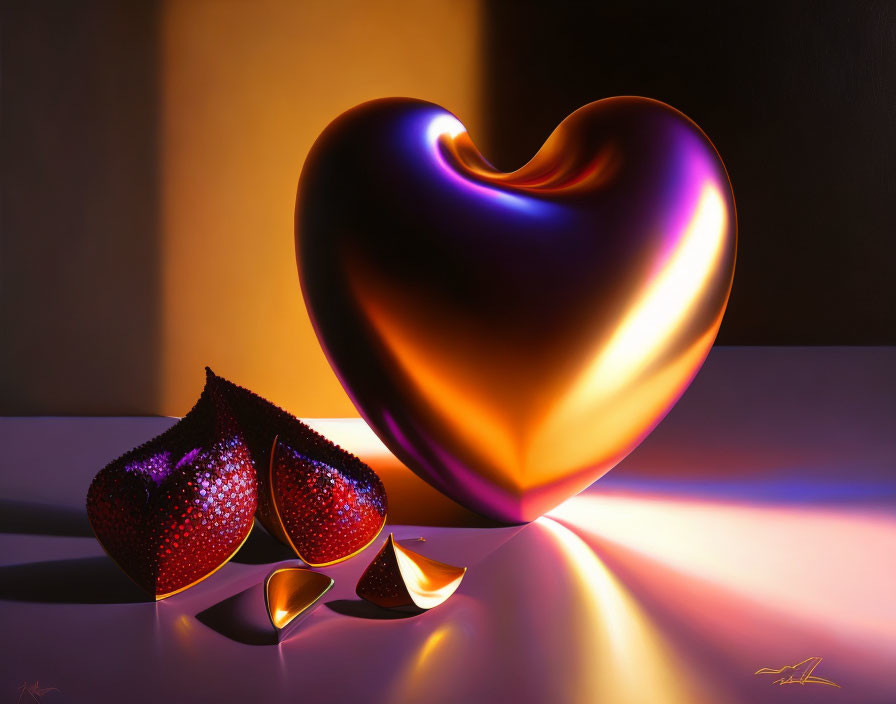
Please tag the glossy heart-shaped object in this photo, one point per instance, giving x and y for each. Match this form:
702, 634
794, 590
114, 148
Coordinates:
312, 495
177, 508
512, 336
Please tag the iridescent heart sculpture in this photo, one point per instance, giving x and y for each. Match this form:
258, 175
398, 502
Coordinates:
513, 336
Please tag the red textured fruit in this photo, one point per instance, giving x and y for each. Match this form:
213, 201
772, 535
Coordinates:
312, 495
174, 510
328, 514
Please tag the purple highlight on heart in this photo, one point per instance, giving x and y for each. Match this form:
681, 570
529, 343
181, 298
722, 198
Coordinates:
512, 336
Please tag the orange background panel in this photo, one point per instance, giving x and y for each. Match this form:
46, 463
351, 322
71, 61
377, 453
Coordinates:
246, 89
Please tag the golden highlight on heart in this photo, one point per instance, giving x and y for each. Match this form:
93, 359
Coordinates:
512, 336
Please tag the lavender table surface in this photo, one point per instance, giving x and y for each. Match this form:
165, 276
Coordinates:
756, 527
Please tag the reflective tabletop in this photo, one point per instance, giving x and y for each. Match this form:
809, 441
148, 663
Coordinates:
754, 529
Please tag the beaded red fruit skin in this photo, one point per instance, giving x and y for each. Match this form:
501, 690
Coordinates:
381, 582
328, 514
177, 508
312, 495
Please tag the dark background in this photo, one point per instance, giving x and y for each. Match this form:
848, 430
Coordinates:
79, 223
798, 97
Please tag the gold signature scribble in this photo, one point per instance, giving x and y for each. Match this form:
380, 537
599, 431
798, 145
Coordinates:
33, 692
801, 673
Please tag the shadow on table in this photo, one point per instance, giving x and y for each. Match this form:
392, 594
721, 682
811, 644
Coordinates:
84, 580
238, 617
261, 548
364, 609
43, 519
413, 502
